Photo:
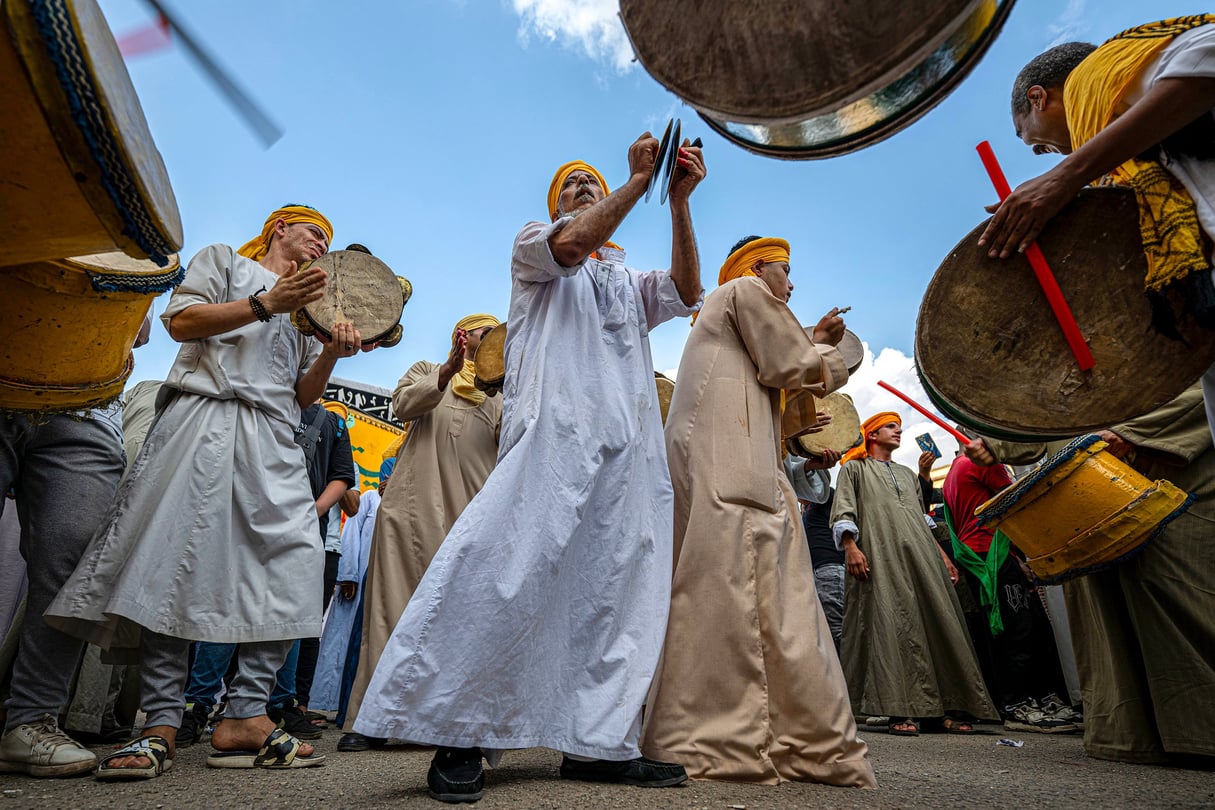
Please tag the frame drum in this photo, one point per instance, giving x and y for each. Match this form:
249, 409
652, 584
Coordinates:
69, 328
362, 290
852, 351
666, 388
845, 74
991, 355
490, 362
841, 435
80, 171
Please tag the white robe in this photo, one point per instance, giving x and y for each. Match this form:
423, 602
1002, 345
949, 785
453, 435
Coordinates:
339, 621
212, 536
540, 620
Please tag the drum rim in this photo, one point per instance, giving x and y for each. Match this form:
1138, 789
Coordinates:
57, 29
477, 371
101, 393
887, 127
1000, 505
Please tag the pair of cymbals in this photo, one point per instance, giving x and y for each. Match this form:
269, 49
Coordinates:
665, 161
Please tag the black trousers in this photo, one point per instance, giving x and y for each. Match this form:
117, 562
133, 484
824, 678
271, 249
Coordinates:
1025, 660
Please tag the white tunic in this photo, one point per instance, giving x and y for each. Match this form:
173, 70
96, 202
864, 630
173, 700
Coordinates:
339, 621
541, 617
212, 536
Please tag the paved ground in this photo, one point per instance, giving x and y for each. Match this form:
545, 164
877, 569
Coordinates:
929, 771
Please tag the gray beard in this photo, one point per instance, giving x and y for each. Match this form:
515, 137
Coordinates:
561, 212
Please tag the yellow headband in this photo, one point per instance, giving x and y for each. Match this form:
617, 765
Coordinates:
257, 247
554, 188
739, 263
471, 322
868, 426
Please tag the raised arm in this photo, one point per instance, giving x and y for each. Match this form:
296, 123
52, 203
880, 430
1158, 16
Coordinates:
292, 291
587, 232
685, 258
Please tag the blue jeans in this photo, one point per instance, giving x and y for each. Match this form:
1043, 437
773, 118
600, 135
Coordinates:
211, 662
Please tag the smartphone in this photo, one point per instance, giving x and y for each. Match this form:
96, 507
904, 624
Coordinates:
924, 440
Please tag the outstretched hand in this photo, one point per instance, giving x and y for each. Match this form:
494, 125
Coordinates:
455, 359
1020, 218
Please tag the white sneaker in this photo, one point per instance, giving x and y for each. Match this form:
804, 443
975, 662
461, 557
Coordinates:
41, 749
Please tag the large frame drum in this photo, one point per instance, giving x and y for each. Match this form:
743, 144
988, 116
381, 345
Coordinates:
69, 328
991, 355
811, 79
79, 169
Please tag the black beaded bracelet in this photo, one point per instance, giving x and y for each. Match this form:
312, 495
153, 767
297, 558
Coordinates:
259, 309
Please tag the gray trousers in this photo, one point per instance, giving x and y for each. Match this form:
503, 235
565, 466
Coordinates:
829, 582
164, 667
65, 470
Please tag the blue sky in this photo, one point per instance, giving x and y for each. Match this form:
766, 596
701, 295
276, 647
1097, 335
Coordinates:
429, 130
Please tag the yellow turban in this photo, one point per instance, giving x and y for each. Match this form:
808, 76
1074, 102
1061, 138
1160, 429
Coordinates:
463, 384
257, 247
554, 188
739, 263
868, 426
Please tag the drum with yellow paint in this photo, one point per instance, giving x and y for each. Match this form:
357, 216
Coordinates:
372, 441
1081, 511
70, 325
79, 169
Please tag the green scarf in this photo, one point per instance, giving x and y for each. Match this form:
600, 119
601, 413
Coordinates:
983, 570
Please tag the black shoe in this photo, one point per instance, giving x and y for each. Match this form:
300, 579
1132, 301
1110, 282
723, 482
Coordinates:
193, 724
353, 741
456, 775
641, 772
291, 720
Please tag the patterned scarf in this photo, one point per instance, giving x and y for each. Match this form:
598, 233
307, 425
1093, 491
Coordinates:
1168, 219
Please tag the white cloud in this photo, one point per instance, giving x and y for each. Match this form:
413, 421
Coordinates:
590, 26
1071, 25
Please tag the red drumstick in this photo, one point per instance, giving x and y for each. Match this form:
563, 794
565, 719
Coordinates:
941, 423
1054, 296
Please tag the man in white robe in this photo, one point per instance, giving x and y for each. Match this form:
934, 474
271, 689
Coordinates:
540, 620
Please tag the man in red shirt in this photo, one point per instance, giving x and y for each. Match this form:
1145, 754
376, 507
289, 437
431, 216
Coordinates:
1026, 667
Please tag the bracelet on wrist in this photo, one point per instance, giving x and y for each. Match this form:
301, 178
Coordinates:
259, 309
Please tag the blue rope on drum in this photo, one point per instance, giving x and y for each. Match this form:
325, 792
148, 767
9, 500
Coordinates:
1010, 499
63, 47
137, 282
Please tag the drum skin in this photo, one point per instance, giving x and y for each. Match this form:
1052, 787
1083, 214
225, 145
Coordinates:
666, 389
841, 435
991, 354
490, 362
361, 290
852, 351
80, 170
67, 344
1081, 511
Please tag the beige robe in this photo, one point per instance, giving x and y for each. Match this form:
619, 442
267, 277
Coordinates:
749, 687
1144, 630
449, 451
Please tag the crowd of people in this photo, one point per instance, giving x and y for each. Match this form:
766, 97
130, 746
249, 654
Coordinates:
549, 565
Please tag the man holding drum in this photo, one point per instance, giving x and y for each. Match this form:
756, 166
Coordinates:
213, 536
905, 651
750, 688
540, 619
1138, 110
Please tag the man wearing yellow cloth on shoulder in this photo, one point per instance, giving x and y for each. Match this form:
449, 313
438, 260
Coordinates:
905, 649
1137, 111
450, 449
213, 533
749, 688
540, 619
